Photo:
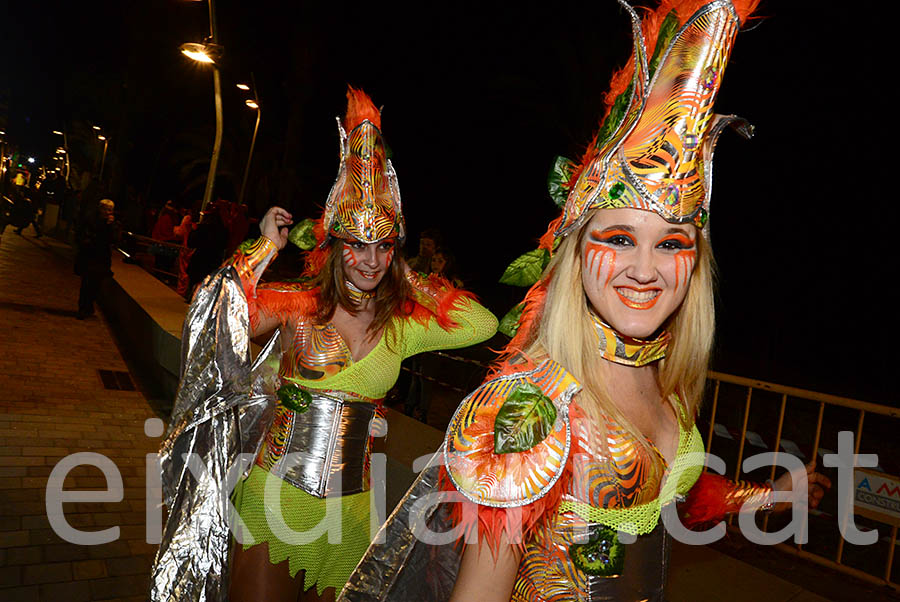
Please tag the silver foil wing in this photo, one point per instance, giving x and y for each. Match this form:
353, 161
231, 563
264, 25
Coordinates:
415, 555
220, 413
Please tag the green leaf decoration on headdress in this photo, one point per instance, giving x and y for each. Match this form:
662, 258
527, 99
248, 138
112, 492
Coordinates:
526, 269
616, 113
525, 419
509, 325
558, 180
302, 235
667, 31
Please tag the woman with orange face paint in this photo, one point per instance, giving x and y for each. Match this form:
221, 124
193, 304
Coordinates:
584, 434
304, 508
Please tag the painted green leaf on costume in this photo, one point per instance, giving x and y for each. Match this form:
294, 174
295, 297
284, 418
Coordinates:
558, 180
526, 269
603, 555
294, 397
667, 31
509, 325
302, 235
245, 246
524, 420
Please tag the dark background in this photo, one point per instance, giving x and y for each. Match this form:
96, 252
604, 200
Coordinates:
478, 98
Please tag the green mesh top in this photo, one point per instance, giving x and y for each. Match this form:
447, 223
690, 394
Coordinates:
315, 356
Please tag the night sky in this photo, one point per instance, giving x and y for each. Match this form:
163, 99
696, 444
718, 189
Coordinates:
479, 98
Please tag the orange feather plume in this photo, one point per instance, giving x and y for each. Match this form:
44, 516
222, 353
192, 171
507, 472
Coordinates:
360, 108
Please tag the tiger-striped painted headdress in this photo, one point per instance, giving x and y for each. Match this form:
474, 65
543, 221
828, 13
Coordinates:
364, 202
654, 149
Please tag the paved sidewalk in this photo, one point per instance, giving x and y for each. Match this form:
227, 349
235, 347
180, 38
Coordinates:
53, 404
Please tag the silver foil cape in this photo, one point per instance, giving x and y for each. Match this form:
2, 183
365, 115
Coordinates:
326, 446
222, 410
399, 565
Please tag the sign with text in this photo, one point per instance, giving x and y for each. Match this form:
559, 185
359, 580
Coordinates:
877, 496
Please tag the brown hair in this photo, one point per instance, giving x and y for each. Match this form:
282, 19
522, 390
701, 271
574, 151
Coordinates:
393, 295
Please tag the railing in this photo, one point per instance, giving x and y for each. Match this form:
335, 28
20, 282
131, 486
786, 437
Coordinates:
738, 402
144, 251
820, 401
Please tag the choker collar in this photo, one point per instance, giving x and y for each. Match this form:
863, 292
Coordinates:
356, 295
621, 349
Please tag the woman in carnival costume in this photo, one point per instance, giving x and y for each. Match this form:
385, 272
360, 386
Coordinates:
584, 435
304, 509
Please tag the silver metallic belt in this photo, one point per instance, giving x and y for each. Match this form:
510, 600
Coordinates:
322, 447
643, 575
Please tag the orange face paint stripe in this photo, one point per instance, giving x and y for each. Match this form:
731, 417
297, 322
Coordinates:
592, 252
684, 259
349, 256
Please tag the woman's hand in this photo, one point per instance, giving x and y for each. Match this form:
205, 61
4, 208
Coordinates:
816, 485
274, 226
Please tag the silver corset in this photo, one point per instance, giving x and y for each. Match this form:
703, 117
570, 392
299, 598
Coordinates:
323, 450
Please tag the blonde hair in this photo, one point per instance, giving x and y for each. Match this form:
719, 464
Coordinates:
564, 333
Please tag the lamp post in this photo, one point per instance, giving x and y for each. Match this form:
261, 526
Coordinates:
209, 52
66, 147
2, 158
103, 160
253, 104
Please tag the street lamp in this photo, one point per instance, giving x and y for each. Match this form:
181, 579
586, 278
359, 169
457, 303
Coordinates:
209, 52
253, 103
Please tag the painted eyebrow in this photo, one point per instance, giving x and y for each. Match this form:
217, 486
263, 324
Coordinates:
676, 230
625, 227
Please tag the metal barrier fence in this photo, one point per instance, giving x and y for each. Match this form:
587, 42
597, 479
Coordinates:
741, 405
819, 403
147, 252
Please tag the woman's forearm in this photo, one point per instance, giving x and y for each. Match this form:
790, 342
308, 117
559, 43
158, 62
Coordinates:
484, 577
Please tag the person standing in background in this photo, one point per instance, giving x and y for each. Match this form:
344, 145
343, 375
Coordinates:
429, 240
94, 259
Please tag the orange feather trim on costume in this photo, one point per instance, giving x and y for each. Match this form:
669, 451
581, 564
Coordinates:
360, 108
282, 299
548, 239
518, 524
534, 307
451, 299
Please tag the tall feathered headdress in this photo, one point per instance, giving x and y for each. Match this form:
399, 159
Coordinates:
364, 202
654, 148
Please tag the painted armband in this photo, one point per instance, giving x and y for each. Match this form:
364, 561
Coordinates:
250, 261
713, 497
